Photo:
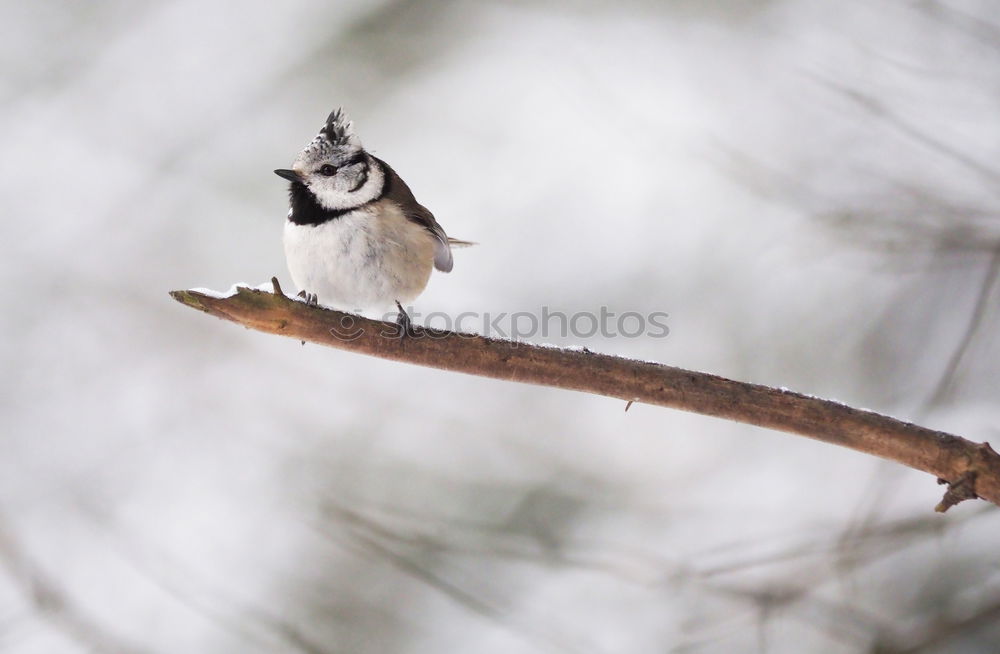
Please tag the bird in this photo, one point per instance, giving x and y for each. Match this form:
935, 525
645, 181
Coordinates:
355, 237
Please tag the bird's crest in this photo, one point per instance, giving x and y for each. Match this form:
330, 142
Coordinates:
335, 141
338, 130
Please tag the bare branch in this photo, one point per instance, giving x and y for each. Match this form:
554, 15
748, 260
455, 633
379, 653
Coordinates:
974, 467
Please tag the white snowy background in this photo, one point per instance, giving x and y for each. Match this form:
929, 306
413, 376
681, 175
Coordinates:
810, 190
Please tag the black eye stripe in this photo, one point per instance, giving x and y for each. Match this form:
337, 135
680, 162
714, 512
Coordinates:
329, 170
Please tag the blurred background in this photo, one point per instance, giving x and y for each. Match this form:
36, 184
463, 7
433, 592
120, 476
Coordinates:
810, 190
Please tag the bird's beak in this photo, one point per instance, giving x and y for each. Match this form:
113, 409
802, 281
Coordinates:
290, 175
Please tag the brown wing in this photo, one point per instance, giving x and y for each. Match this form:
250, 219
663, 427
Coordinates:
397, 191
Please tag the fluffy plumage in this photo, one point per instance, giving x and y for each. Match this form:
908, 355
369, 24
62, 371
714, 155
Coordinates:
356, 236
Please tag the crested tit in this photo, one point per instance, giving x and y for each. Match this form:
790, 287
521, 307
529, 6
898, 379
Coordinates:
355, 237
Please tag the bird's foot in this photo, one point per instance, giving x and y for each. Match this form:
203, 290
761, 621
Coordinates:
310, 298
403, 322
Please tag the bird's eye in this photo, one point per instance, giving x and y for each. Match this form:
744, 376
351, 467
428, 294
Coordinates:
328, 170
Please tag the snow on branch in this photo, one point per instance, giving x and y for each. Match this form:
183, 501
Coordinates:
969, 469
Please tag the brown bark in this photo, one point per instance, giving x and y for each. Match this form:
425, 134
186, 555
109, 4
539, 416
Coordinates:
970, 469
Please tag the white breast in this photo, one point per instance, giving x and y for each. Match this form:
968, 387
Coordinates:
364, 260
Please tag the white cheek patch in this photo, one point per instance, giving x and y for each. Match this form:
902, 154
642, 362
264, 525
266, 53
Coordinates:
362, 180
337, 193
